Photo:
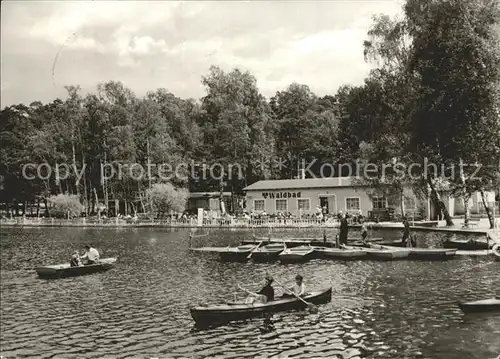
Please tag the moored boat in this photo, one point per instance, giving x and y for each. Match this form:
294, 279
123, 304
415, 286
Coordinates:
65, 269
296, 254
268, 252
377, 252
207, 315
479, 306
238, 254
468, 245
338, 253
426, 253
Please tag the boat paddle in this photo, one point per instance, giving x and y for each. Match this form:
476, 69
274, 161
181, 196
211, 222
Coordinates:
312, 307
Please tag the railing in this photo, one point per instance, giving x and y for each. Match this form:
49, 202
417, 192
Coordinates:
167, 222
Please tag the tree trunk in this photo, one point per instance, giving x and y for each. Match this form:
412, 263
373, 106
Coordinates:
106, 199
465, 200
77, 185
487, 209
85, 193
97, 204
402, 203
436, 198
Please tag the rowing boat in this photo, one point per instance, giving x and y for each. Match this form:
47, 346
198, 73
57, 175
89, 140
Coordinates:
468, 245
268, 252
426, 253
290, 242
377, 252
478, 306
296, 254
237, 254
230, 312
65, 269
339, 253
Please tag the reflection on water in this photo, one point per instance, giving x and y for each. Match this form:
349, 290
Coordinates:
141, 307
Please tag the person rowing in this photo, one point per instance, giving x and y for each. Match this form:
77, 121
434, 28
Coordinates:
299, 289
265, 295
91, 255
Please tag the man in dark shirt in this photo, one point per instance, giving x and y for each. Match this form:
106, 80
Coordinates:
265, 295
344, 228
406, 234
268, 289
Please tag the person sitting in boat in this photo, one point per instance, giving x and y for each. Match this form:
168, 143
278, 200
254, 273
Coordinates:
91, 255
266, 294
75, 260
299, 289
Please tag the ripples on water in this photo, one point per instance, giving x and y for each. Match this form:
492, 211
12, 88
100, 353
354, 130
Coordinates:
140, 308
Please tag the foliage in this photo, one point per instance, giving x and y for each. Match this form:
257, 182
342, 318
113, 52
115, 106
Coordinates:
166, 198
64, 205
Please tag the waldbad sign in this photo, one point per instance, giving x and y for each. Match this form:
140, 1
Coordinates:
281, 195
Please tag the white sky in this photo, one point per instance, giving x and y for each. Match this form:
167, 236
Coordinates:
148, 45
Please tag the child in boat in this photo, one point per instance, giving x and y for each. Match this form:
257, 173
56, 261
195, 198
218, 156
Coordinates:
75, 260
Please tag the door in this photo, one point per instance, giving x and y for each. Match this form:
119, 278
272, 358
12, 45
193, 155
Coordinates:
323, 202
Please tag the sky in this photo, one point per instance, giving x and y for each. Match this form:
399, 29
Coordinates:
148, 45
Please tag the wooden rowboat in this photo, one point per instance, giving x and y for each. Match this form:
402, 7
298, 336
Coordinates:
469, 245
339, 253
268, 253
426, 253
65, 269
376, 252
479, 306
296, 254
207, 315
238, 254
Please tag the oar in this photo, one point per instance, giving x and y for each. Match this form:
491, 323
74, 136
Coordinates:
250, 255
312, 307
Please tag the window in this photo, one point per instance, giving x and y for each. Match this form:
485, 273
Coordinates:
410, 204
352, 204
304, 204
281, 205
259, 205
379, 202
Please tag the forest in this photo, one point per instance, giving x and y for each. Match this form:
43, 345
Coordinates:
433, 96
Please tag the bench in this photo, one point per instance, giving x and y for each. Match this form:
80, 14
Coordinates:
473, 222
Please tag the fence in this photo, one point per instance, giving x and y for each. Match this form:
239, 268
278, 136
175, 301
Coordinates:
188, 222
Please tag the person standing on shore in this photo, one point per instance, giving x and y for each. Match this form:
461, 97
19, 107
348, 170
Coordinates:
344, 229
406, 234
364, 232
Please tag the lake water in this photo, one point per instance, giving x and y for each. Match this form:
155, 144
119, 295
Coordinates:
140, 308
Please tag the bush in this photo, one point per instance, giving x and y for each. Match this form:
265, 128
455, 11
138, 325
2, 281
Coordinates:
65, 205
